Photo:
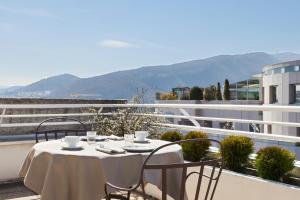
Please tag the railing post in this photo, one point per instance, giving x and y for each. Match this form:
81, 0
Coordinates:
2, 114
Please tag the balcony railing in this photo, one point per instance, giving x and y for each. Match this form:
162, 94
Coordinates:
157, 108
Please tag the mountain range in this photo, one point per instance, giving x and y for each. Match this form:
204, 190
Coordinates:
124, 84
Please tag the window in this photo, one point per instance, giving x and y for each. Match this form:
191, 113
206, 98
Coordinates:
298, 131
294, 93
273, 94
253, 89
297, 94
270, 129
242, 90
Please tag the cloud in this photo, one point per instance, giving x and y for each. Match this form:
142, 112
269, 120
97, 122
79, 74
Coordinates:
115, 44
37, 13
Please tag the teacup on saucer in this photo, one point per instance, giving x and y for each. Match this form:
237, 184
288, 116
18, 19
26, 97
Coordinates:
72, 141
141, 135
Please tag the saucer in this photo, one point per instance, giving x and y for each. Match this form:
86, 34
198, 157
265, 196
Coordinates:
78, 147
138, 149
141, 141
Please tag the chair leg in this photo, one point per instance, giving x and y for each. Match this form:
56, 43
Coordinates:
143, 190
128, 195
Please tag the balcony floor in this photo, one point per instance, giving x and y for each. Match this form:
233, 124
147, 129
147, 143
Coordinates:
17, 191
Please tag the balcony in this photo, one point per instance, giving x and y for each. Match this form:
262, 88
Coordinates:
20, 120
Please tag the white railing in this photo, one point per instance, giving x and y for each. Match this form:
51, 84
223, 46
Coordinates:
181, 108
217, 131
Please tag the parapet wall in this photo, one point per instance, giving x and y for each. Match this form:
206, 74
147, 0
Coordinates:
31, 129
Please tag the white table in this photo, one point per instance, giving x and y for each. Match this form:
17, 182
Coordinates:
58, 174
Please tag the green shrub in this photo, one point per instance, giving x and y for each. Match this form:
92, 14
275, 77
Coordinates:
171, 136
236, 150
226, 92
196, 93
209, 93
219, 93
274, 162
194, 151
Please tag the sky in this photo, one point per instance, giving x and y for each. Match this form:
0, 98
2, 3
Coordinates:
87, 38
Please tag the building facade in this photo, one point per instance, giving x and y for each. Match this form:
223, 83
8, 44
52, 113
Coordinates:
250, 89
281, 86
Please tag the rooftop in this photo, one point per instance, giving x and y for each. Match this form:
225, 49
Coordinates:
283, 64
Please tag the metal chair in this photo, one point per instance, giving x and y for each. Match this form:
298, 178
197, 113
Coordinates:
55, 132
216, 165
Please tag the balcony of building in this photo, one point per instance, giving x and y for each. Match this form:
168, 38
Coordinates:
18, 122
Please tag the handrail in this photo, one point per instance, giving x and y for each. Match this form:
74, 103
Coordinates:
265, 107
291, 124
4, 108
168, 106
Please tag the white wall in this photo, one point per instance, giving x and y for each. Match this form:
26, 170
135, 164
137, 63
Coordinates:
12, 156
283, 82
234, 186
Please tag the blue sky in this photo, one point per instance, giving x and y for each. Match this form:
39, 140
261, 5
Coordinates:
88, 38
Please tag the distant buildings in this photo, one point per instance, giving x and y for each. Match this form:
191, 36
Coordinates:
250, 89
277, 84
182, 93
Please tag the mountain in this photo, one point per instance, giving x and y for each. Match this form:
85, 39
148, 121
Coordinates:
124, 84
9, 89
44, 87
287, 56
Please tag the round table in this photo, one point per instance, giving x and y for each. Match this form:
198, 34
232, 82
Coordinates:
59, 174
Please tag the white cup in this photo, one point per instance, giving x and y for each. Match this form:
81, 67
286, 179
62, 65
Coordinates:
72, 141
141, 135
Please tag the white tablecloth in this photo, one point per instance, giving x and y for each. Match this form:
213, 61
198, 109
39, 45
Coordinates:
58, 174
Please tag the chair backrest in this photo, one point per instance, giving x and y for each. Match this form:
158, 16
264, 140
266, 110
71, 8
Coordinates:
216, 165
56, 132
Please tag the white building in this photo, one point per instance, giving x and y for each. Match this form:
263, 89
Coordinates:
281, 86
278, 84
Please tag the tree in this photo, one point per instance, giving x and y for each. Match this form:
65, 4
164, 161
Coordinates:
196, 93
219, 94
168, 96
209, 93
226, 93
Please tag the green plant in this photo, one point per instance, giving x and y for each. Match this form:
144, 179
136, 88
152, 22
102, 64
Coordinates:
218, 93
171, 136
235, 150
210, 93
196, 93
194, 151
168, 96
226, 92
127, 120
274, 162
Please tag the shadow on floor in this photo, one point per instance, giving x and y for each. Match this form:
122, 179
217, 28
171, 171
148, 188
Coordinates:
17, 191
